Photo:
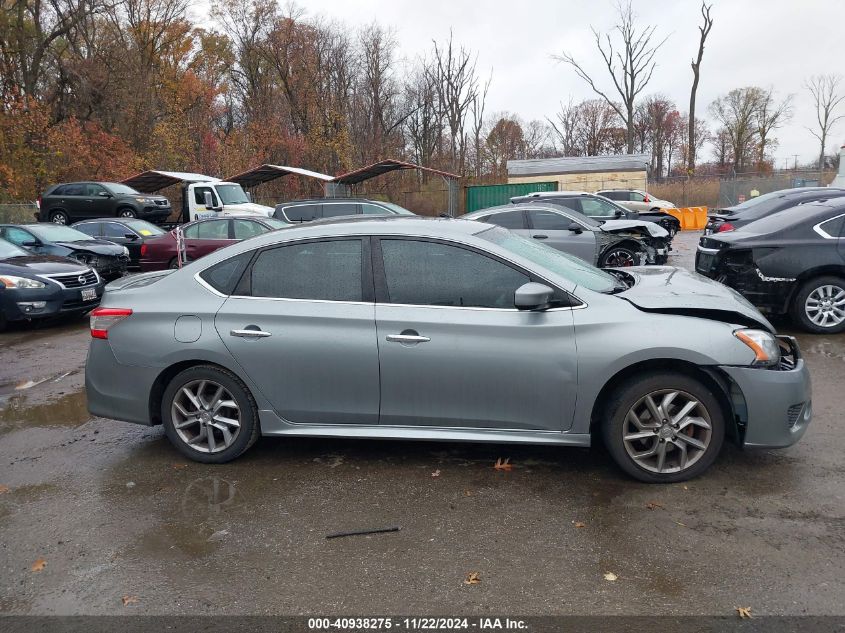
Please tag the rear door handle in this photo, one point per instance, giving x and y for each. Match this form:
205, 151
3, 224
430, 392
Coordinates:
540, 237
250, 333
407, 338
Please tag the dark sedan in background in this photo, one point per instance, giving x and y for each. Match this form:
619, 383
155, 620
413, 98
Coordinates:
732, 218
791, 262
39, 286
129, 232
203, 237
110, 260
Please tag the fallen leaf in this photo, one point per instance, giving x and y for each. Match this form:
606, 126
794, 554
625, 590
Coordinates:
744, 612
473, 578
579, 524
39, 564
681, 524
436, 473
651, 505
610, 576
503, 465
467, 493
127, 600
179, 466
3, 489
686, 487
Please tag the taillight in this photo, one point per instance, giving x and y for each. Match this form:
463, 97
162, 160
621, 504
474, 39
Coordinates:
725, 226
104, 318
38, 202
143, 250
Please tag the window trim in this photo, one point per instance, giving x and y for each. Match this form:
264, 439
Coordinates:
556, 209
818, 228
382, 297
197, 223
524, 212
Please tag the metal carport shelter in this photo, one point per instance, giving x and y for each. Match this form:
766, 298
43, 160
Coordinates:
266, 172
385, 166
154, 180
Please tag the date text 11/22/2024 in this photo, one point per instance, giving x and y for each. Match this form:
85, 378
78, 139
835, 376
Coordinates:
416, 624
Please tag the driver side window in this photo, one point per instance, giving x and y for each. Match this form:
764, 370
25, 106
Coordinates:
17, 236
434, 274
597, 208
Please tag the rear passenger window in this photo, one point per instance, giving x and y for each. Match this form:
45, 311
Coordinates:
302, 212
89, 228
335, 209
833, 227
324, 271
244, 229
213, 230
73, 190
549, 221
433, 274
508, 219
223, 277
113, 229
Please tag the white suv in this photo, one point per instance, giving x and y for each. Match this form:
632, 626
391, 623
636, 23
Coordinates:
636, 200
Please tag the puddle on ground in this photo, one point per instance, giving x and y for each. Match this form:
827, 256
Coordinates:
69, 410
12, 388
826, 346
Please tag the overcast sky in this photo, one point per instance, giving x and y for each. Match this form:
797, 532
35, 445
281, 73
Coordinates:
775, 43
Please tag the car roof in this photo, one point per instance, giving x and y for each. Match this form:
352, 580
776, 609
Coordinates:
555, 194
323, 200
518, 206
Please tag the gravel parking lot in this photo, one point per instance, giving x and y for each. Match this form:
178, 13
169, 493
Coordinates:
102, 517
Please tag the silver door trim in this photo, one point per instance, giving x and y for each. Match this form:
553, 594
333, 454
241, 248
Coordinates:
818, 228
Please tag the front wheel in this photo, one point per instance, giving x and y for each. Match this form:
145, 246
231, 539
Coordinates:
619, 257
127, 213
209, 415
663, 428
819, 305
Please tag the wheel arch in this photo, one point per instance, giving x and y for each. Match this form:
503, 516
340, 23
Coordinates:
168, 373
626, 242
728, 395
834, 270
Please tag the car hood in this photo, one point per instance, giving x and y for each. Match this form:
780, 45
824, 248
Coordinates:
249, 208
615, 226
99, 247
670, 290
40, 265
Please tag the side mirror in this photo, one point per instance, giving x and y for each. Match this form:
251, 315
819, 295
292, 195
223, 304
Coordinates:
575, 227
104, 194
532, 296
618, 214
30, 243
209, 202
130, 236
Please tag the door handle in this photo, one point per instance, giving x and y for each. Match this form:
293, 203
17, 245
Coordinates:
407, 338
540, 237
250, 333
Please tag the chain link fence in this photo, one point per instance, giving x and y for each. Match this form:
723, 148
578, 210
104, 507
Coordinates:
18, 213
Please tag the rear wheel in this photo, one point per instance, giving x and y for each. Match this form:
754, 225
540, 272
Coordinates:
59, 217
209, 415
663, 428
819, 305
619, 257
126, 213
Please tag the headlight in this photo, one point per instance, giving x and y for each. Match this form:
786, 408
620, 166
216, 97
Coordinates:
125, 252
763, 344
21, 282
142, 199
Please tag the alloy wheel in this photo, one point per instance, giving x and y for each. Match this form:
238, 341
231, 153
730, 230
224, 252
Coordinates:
667, 431
59, 218
619, 258
206, 416
126, 213
825, 306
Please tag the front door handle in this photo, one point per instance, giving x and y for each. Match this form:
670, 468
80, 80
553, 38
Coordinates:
248, 333
540, 237
407, 338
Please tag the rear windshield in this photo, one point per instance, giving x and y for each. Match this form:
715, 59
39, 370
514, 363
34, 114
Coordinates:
791, 217
567, 266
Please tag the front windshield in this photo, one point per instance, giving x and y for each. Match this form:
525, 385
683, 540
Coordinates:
396, 208
122, 190
231, 194
567, 266
58, 233
8, 249
142, 227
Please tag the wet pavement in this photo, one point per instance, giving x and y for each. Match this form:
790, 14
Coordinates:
109, 510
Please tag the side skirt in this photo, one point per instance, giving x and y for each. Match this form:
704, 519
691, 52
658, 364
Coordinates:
272, 426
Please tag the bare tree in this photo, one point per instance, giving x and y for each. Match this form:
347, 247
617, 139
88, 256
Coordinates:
630, 66
696, 67
565, 126
477, 111
827, 97
736, 111
770, 115
424, 125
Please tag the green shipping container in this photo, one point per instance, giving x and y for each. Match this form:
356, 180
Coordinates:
483, 196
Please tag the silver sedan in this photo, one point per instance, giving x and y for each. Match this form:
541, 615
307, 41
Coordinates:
442, 329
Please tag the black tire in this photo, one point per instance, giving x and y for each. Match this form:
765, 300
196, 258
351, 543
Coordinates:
174, 263
126, 212
619, 257
250, 427
798, 309
59, 217
630, 393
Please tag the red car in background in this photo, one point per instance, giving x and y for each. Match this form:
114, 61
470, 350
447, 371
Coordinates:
203, 237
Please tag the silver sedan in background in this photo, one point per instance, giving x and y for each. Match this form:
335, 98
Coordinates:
440, 329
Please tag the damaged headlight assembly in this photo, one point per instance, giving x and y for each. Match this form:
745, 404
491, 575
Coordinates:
763, 344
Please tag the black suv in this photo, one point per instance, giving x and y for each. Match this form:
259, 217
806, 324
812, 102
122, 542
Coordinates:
297, 211
70, 202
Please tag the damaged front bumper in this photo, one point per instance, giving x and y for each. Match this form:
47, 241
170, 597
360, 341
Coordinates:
773, 406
